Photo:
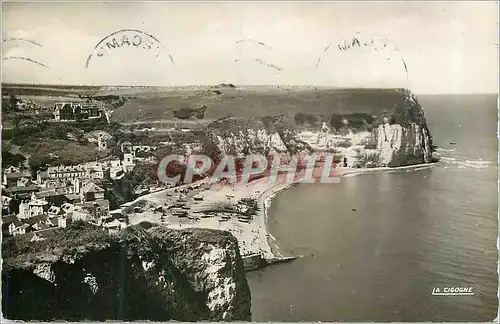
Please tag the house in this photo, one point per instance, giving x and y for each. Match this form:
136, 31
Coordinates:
115, 169
101, 138
24, 181
102, 143
11, 169
10, 225
23, 229
32, 208
74, 111
79, 214
90, 191
42, 177
57, 183
54, 211
128, 162
39, 222
66, 172
114, 226
54, 196
126, 147
96, 172
72, 198
20, 178
21, 193
116, 173
67, 208
6, 207
62, 221
142, 150
102, 209
98, 210
114, 164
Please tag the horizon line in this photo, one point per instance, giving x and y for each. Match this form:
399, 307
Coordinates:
237, 85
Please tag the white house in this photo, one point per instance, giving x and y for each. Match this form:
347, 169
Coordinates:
128, 162
61, 221
32, 208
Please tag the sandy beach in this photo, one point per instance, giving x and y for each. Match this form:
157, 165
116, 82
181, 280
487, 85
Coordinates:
201, 200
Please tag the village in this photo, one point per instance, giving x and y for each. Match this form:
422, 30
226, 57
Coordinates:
59, 195
54, 194
54, 197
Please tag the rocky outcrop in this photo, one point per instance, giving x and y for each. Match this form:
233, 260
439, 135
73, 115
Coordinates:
144, 272
364, 135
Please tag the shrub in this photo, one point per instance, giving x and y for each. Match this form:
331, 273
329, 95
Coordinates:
9, 159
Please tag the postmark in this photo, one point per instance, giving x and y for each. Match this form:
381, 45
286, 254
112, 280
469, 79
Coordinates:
256, 51
128, 38
364, 43
17, 41
21, 39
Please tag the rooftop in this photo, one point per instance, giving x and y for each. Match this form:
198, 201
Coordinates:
91, 187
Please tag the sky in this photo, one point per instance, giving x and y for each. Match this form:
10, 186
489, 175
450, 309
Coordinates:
429, 47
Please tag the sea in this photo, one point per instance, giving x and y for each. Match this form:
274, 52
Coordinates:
377, 245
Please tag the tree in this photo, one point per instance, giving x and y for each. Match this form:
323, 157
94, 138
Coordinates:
16, 120
9, 159
300, 118
13, 102
78, 114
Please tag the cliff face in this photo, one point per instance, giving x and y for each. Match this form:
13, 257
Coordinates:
141, 273
391, 133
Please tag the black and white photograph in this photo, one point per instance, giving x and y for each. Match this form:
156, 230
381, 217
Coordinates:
265, 161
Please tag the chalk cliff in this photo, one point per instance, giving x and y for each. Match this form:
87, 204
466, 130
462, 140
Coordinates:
389, 133
144, 272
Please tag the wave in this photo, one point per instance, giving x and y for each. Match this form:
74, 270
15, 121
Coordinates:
439, 149
479, 162
465, 163
462, 164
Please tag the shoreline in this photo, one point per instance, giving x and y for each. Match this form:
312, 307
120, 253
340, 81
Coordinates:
265, 199
254, 238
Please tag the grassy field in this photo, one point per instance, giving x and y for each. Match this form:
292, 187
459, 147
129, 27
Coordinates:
159, 103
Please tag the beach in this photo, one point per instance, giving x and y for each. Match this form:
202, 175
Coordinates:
199, 197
